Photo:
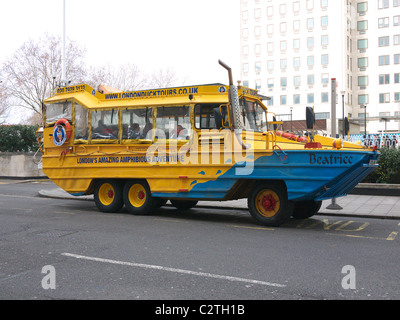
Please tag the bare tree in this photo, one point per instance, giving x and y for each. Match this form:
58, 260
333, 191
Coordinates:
4, 106
163, 78
124, 78
31, 74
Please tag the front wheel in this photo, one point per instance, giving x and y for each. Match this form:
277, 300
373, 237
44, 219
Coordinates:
306, 209
183, 204
108, 195
268, 204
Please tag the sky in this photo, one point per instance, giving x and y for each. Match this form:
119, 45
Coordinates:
187, 36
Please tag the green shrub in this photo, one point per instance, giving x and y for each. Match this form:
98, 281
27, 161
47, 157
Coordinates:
18, 138
389, 168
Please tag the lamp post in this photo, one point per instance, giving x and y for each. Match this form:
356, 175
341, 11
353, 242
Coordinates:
291, 119
343, 121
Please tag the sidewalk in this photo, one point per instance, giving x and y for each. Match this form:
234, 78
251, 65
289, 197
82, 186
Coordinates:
384, 207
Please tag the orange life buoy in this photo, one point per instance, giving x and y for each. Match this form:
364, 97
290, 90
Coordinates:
62, 132
67, 125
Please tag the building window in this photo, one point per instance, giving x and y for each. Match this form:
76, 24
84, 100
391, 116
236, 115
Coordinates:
397, 96
296, 44
397, 78
362, 44
383, 4
283, 45
257, 68
296, 26
384, 60
324, 22
324, 4
325, 78
270, 47
324, 40
324, 59
383, 41
310, 23
310, 5
384, 97
362, 62
284, 82
296, 7
310, 98
362, 8
296, 62
310, 61
397, 59
396, 39
283, 100
384, 79
310, 42
324, 97
396, 3
283, 27
383, 22
310, 80
270, 83
283, 64
270, 65
296, 81
296, 99
363, 99
396, 20
363, 81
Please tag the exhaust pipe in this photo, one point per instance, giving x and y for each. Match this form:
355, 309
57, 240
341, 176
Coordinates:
234, 110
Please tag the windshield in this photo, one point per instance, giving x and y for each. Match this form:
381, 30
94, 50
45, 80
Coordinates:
254, 116
58, 111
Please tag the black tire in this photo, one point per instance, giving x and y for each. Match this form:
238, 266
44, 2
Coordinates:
306, 209
268, 204
108, 195
183, 204
138, 199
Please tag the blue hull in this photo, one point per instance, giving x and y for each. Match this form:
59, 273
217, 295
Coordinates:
308, 174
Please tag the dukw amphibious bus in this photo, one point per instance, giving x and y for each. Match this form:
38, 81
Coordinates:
208, 142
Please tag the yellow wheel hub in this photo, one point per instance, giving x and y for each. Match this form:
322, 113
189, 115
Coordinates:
106, 194
137, 195
268, 203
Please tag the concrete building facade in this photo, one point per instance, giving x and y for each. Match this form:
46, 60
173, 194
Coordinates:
291, 49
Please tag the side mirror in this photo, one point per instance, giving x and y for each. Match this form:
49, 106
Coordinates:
346, 126
310, 118
275, 125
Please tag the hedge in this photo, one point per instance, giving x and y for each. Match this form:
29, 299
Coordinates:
389, 167
18, 138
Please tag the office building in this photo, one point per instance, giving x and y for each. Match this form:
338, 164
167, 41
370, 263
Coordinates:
291, 49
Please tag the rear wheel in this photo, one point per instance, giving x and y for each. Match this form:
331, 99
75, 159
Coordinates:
137, 197
184, 204
306, 209
108, 195
268, 204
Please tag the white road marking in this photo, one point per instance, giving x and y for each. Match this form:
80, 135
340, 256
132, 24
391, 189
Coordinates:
182, 271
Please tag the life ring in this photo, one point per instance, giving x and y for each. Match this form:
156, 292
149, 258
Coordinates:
62, 132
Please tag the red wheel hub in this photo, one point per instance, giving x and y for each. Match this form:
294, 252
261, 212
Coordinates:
110, 194
141, 195
269, 203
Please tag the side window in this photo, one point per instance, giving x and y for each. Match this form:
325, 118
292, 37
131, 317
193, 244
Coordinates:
210, 116
81, 123
105, 125
57, 111
137, 123
173, 123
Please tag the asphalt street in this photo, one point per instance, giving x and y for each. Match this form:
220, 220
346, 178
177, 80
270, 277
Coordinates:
201, 254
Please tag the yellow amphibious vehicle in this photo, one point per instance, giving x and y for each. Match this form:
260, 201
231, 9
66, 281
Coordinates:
185, 144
